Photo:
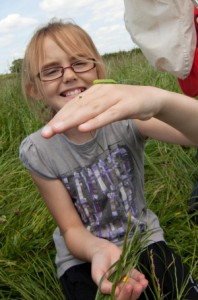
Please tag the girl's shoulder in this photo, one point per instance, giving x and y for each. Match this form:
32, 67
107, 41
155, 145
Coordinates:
36, 152
38, 141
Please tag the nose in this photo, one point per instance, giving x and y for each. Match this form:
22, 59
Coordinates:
68, 74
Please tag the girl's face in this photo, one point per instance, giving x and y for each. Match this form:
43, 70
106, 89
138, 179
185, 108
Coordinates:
59, 91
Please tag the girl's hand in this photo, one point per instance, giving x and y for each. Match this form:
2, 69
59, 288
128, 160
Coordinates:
103, 104
130, 288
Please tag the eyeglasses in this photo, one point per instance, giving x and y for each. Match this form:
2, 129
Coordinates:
53, 73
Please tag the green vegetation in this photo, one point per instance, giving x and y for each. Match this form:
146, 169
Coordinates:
16, 66
27, 252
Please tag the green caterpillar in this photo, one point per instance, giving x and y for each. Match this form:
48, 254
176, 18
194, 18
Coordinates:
104, 81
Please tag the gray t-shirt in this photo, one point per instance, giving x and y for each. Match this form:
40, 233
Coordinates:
104, 177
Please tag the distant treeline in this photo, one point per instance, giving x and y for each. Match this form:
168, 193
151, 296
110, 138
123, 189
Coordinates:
16, 65
120, 53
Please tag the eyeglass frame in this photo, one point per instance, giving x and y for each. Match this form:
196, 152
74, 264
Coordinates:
64, 68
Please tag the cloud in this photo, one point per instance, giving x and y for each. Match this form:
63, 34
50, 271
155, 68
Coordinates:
95, 12
103, 20
51, 5
6, 40
5, 64
109, 29
69, 5
112, 38
14, 21
110, 11
17, 53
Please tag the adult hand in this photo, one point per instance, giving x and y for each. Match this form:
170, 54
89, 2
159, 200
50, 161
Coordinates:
103, 104
128, 289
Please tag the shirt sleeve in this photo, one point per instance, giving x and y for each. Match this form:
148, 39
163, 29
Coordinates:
35, 160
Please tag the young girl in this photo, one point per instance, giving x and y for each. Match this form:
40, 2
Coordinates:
91, 178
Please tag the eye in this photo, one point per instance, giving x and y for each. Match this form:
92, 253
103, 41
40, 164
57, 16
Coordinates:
82, 66
79, 63
51, 72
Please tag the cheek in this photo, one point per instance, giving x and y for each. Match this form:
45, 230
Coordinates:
91, 76
49, 88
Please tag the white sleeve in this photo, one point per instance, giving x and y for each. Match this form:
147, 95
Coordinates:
165, 32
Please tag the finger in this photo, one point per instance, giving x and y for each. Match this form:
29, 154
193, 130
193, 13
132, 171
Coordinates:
105, 111
63, 121
130, 290
100, 120
136, 275
139, 278
100, 277
105, 286
81, 109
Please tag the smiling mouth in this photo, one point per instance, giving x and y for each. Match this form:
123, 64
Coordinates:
72, 92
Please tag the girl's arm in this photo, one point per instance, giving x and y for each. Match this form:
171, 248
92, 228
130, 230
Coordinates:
107, 103
82, 244
65, 215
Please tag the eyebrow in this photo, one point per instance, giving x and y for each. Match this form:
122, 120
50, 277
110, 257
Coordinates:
57, 64
50, 65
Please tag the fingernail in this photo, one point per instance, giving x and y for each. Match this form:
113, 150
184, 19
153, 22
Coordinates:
46, 130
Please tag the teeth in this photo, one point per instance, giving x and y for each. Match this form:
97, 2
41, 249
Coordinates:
73, 92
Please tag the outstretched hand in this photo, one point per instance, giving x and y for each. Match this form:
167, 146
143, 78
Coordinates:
103, 104
129, 288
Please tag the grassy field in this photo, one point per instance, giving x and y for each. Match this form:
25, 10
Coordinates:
27, 252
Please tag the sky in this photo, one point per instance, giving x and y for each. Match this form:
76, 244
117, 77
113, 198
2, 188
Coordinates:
102, 19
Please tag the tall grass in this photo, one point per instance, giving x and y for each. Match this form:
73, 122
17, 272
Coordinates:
26, 250
27, 268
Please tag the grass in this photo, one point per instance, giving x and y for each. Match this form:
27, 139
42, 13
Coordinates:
27, 269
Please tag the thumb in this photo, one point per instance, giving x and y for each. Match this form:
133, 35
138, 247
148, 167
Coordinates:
105, 286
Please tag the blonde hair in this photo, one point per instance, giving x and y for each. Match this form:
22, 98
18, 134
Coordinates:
69, 37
